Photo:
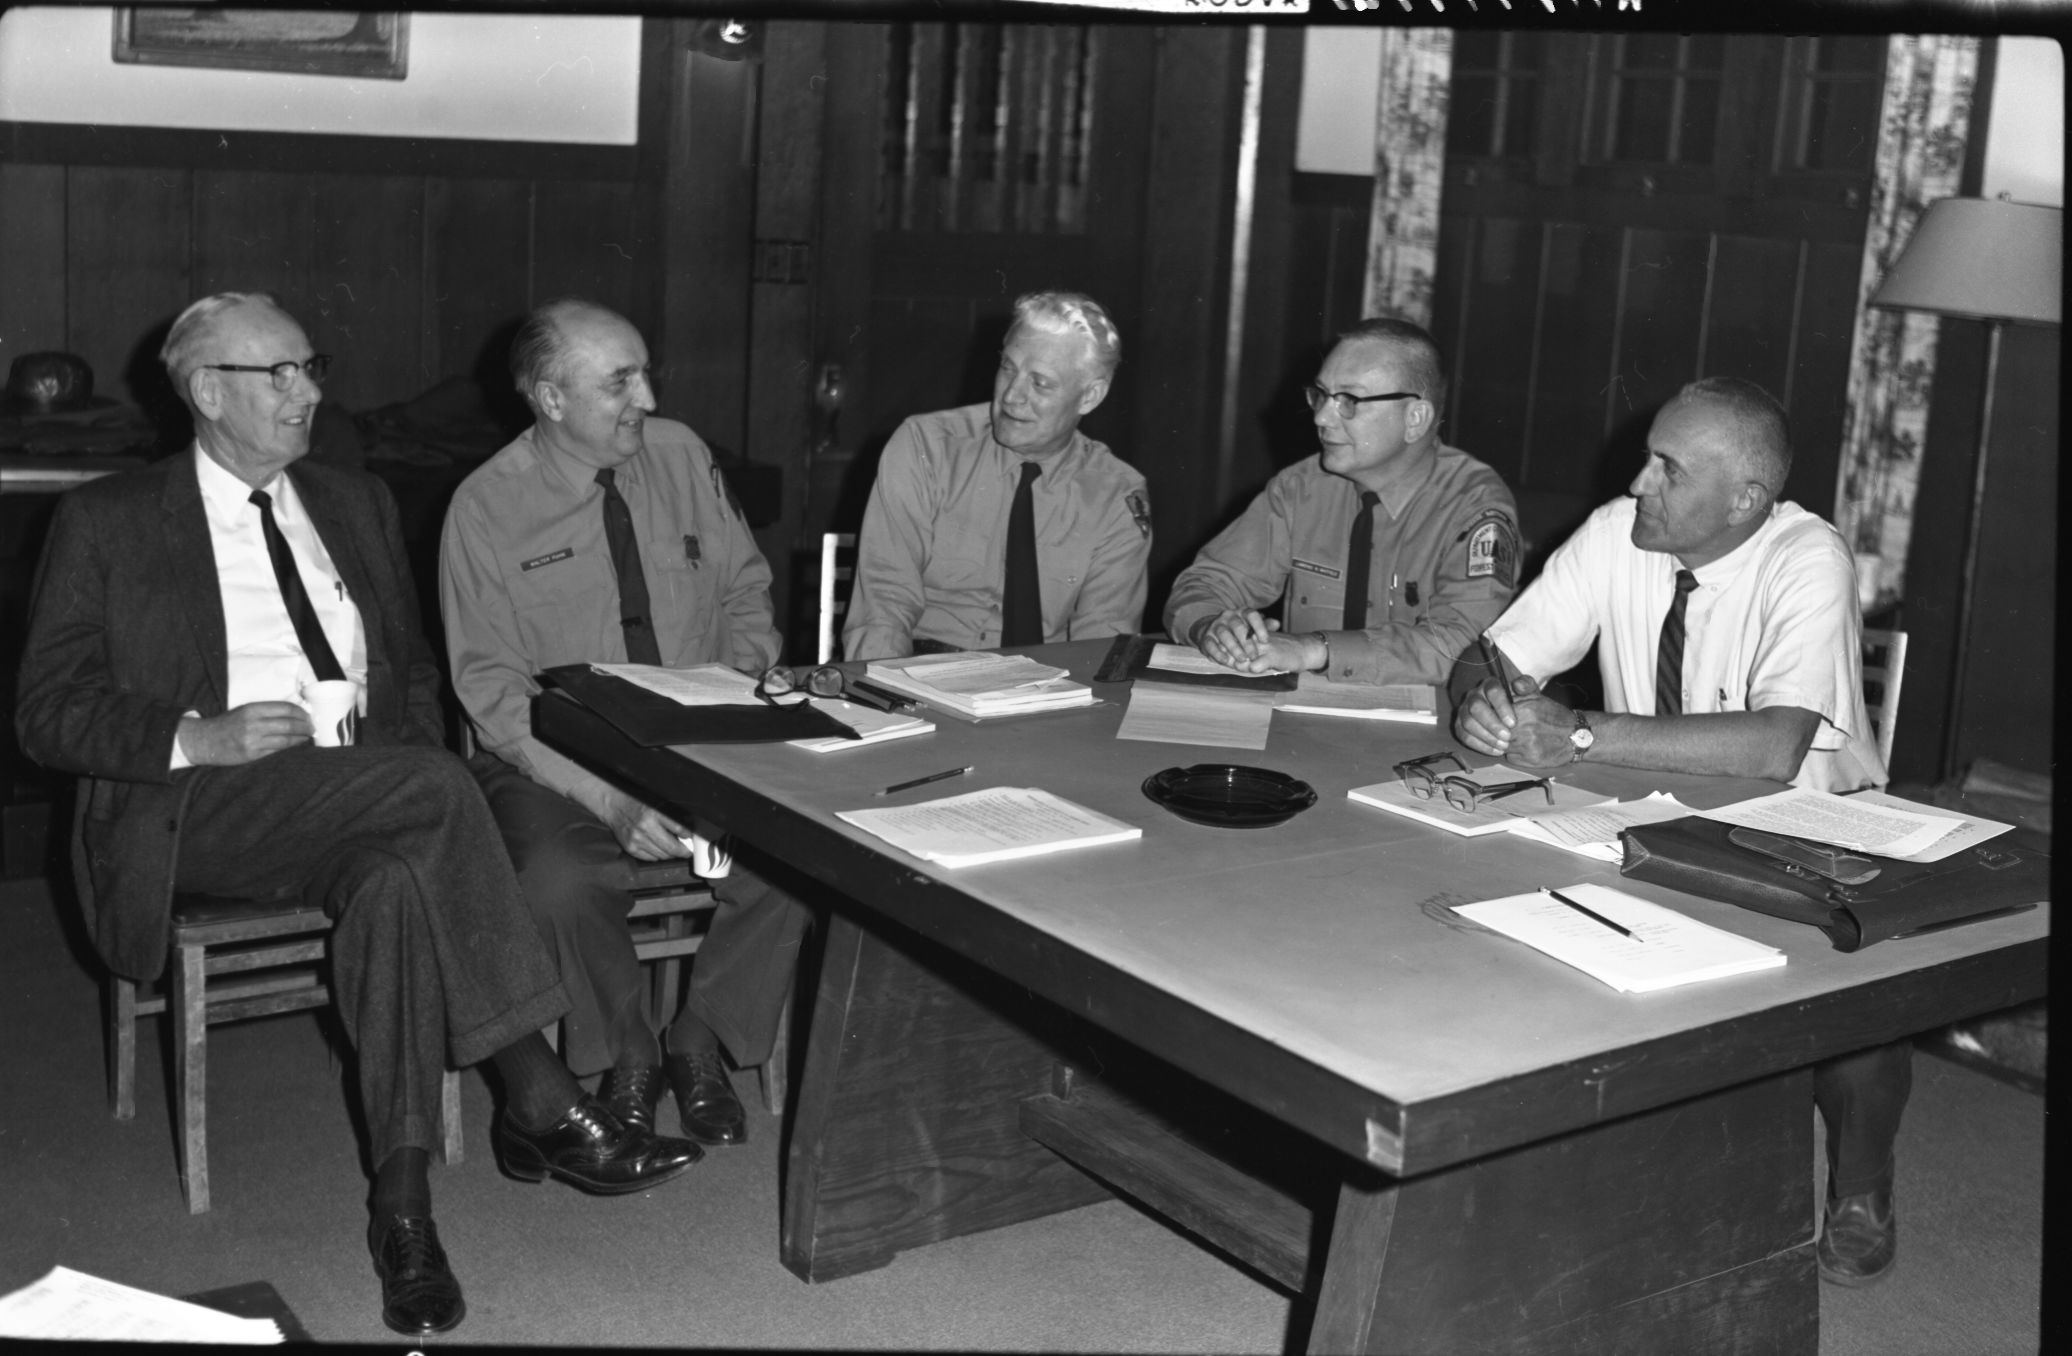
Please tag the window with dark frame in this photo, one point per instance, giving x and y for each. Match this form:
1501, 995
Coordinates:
1496, 91
1655, 98
1833, 86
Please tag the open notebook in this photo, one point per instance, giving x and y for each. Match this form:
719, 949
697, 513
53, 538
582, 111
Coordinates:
1665, 950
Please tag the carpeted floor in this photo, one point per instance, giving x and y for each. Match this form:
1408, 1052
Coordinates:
695, 1263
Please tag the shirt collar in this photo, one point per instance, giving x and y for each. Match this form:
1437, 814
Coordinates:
225, 494
579, 477
1729, 566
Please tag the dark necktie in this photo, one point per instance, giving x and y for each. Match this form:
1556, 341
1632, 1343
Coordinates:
1669, 654
1021, 598
633, 594
316, 647
1359, 562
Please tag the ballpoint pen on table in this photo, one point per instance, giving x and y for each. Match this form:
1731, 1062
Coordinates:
923, 781
1589, 912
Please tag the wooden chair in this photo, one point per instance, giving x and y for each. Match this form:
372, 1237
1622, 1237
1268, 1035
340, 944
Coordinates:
1884, 669
231, 959
837, 577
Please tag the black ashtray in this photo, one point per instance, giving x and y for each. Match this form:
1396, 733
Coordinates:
1229, 796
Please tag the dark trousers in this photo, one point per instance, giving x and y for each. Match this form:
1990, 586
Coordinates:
1860, 1097
432, 957
576, 882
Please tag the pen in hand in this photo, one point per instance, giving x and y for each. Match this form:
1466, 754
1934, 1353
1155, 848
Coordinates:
1589, 912
923, 781
1494, 658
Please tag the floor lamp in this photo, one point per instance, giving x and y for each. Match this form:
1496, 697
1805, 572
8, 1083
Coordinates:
1979, 259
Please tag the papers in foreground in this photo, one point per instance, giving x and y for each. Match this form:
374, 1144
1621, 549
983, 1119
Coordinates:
1667, 949
994, 825
68, 1304
981, 684
1868, 821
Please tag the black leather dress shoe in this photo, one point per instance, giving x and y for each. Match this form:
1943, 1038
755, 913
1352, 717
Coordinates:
705, 1100
1859, 1240
591, 1150
419, 1294
631, 1094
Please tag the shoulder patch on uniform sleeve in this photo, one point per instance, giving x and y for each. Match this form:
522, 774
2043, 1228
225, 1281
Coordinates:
1140, 509
1493, 549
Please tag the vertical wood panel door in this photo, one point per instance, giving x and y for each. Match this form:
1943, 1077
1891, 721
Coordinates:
1625, 213
966, 164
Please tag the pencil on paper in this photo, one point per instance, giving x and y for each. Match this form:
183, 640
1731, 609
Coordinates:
923, 781
1588, 912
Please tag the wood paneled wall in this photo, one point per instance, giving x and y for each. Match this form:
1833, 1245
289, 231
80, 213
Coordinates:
407, 269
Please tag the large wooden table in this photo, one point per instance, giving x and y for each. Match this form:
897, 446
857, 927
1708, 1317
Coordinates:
1281, 1040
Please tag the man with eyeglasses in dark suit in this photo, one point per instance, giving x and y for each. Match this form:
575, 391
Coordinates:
181, 613
1388, 550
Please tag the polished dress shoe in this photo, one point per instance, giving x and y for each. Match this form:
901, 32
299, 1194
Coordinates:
419, 1294
705, 1100
591, 1150
1860, 1239
631, 1094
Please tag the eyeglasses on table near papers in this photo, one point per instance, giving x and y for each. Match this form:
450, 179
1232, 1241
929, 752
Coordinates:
1457, 788
798, 684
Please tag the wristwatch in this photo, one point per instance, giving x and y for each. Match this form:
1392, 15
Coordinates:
1580, 738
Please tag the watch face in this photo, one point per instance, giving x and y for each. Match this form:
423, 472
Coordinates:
1582, 736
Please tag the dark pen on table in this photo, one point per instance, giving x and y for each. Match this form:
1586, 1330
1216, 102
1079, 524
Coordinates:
923, 781
1589, 912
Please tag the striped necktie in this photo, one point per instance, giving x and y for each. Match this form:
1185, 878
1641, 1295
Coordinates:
1669, 654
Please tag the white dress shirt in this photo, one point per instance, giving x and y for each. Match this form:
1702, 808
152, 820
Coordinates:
266, 663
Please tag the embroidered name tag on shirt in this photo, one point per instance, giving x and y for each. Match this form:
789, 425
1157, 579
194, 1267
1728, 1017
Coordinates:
1314, 568
563, 554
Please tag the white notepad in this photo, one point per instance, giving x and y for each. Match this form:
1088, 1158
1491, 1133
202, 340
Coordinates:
1494, 816
1669, 948
994, 825
874, 726
1316, 695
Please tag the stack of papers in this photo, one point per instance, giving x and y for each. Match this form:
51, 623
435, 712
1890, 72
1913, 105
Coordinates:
874, 726
702, 685
981, 684
1492, 816
1869, 821
994, 825
1667, 949
68, 1304
1316, 695
1187, 659
1594, 831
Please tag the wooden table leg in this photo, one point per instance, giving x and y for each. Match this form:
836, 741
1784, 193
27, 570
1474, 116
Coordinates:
1685, 1229
908, 1114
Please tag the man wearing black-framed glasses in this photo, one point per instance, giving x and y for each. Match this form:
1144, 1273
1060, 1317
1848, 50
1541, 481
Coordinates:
182, 615
1388, 551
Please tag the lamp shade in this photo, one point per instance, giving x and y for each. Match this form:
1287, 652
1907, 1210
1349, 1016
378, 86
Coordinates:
1984, 258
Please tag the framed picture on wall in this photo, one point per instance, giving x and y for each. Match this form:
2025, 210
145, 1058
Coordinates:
301, 41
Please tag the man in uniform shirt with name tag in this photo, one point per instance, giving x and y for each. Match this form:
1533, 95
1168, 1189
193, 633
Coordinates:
1389, 551
605, 535
1001, 525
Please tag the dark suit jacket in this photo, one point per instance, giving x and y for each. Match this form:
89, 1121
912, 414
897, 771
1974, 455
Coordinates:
126, 635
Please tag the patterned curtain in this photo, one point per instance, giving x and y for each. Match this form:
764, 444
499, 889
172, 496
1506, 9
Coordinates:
1923, 128
1409, 167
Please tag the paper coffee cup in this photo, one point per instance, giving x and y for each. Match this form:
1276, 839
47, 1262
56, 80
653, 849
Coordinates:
333, 707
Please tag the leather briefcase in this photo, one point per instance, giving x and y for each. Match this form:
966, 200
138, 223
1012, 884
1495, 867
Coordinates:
2005, 875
